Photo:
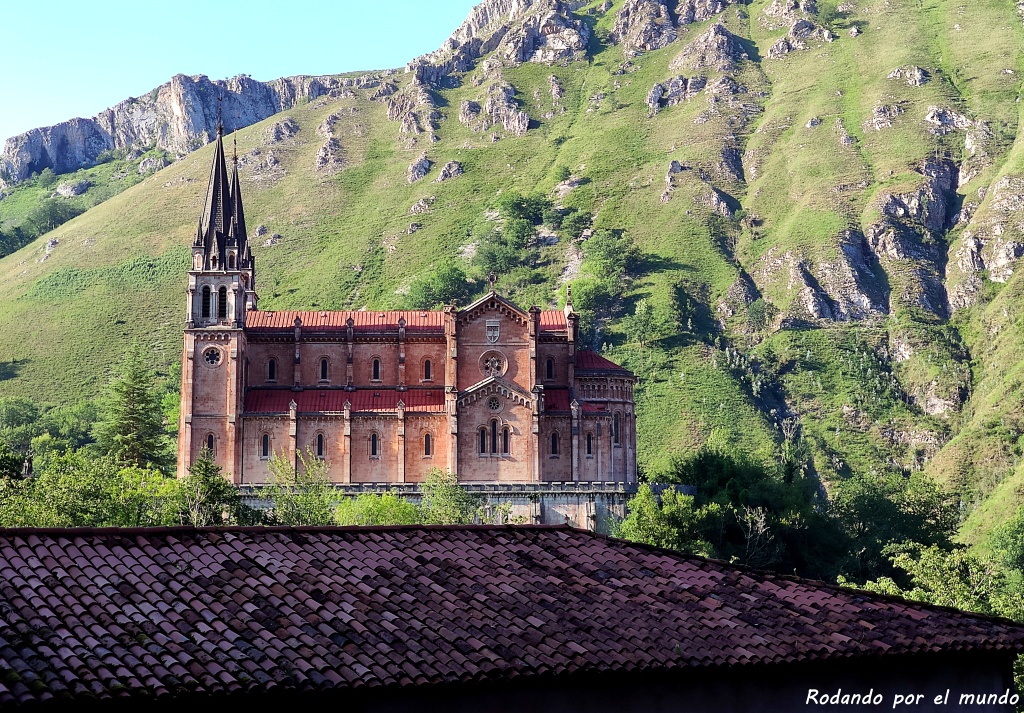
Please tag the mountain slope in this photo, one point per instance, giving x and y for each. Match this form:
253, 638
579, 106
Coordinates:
826, 197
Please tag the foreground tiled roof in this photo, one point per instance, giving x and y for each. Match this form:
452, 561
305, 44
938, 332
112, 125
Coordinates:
162, 612
333, 400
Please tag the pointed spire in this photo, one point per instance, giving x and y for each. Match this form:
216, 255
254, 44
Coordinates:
216, 219
238, 234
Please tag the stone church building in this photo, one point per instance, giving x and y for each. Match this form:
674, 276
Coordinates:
491, 392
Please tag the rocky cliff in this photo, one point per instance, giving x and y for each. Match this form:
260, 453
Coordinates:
178, 116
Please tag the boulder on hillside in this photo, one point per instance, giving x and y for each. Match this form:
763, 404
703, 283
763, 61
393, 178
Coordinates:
70, 189
152, 164
674, 91
800, 33
780, 13
449, 170
691, 11
913, 76
882, 116
418, 168
716, 48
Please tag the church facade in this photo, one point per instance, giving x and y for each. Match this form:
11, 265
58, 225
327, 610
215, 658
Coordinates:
491, 392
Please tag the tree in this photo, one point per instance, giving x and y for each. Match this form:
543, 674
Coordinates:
445, 285
383, 509
131, 428
205, 497
445, 502
303, 495
880, 510
611, 253
674, 523
10, 462
642, 327
19, 424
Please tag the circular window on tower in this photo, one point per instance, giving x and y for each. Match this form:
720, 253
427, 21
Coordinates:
494, 404
212, 356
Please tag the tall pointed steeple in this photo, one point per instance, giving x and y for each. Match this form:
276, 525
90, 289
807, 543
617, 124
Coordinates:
215, 221
237, 234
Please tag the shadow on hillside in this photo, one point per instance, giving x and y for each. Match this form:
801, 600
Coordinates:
10, 369
650, 264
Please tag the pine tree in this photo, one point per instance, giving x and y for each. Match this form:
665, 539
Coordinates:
131, 428
205, 496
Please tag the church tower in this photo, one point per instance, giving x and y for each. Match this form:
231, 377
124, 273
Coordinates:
221, 289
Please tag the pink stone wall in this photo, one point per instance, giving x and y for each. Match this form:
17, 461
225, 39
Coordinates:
516, 466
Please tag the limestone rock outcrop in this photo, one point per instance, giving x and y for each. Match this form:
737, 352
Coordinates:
544, 31
913, 76
501, 106
330, 157
993, 241
418, 168
675, 90
642, 26
716, 48
179, 116
281, 130
800, 34
449, 170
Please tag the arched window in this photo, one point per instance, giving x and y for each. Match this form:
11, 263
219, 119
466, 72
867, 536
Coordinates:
428, 447
265, 446
323, 370
426, 371
222, 303
206, 302
209, 443
494, 436
376, 369
231, 262
549, 372
483, 441
272, 370
505, 438
615, 428
554, 444
590, 444
374, 445
320, 446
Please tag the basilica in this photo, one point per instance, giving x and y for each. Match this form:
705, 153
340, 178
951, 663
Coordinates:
491, 392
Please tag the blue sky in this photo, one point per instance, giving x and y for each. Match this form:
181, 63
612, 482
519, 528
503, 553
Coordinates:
67, 58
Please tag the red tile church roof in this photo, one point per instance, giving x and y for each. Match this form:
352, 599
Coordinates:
370, 321
553, 320
420, 320
333, 400
164, 612
592, 361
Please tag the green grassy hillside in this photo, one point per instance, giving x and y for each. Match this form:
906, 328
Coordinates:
801, 291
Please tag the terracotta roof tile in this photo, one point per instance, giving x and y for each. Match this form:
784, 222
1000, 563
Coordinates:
312, 609
364, 321
592, 361
553, 320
